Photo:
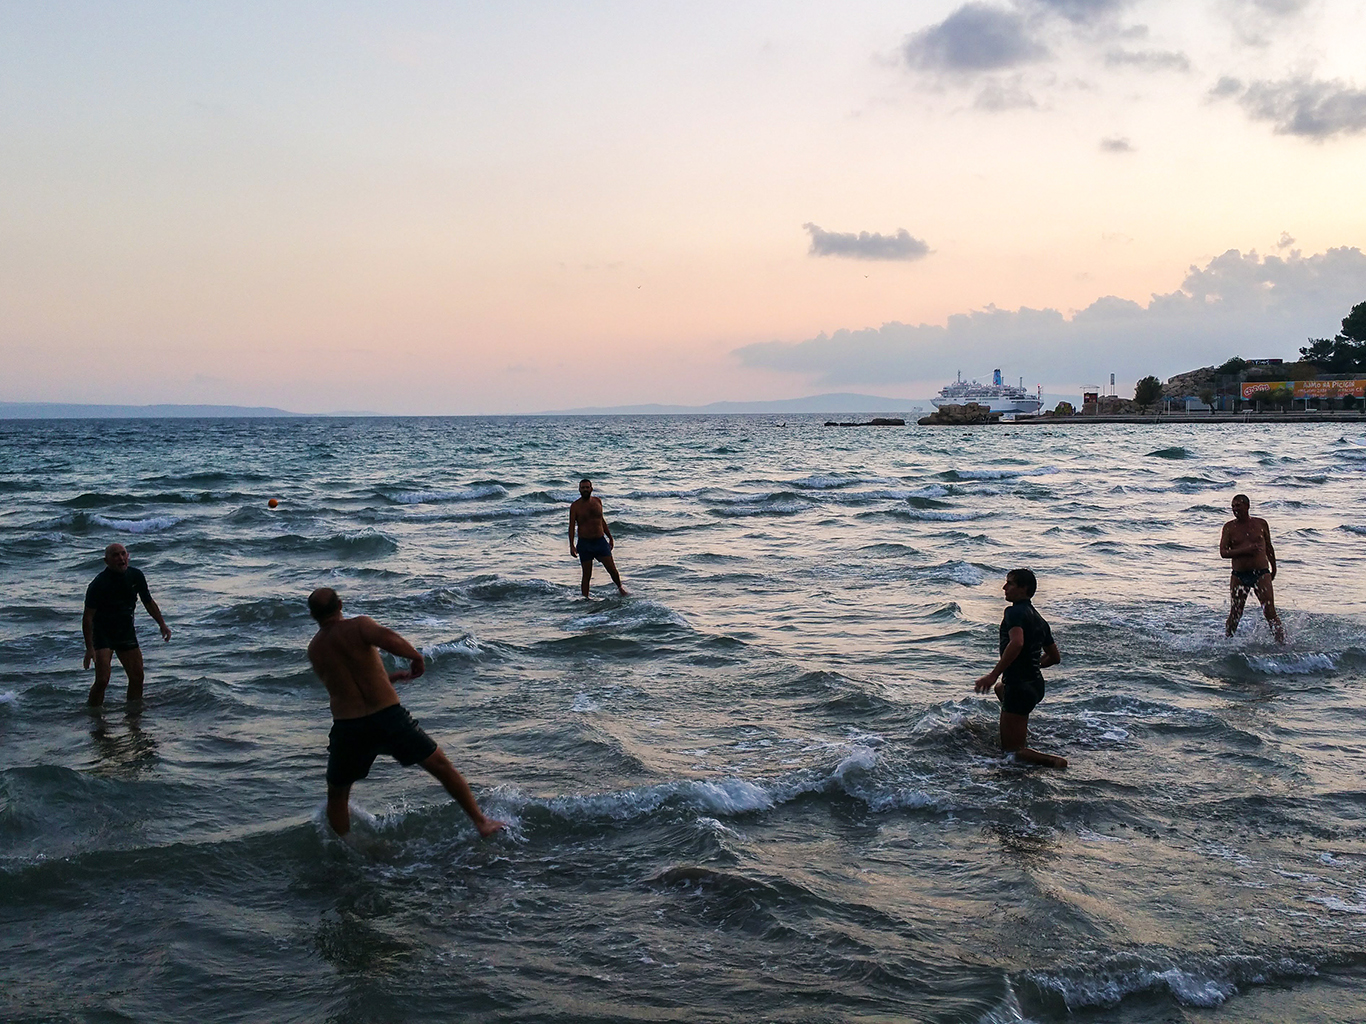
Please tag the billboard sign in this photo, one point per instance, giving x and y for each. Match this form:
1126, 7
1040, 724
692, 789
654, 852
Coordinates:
1305, 388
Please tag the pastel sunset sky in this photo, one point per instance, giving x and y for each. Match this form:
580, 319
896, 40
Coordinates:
457, 208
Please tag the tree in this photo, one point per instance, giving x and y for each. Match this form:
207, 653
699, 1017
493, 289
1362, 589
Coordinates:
1354, 323
1234, 364
1148, 390
1207, 396
1347, 352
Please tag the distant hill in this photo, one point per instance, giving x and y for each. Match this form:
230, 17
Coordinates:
838, 402
73, 411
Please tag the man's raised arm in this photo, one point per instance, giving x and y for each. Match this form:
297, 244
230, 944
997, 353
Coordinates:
387, 639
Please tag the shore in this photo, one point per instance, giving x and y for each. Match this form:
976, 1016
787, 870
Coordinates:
1314, 416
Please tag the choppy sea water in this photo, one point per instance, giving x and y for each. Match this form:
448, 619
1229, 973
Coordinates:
759, 788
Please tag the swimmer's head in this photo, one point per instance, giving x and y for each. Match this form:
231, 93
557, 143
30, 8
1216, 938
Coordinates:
1024, 579
116, 557
324, 603
585, 487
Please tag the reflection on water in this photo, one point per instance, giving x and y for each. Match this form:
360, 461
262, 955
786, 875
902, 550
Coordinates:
124, 750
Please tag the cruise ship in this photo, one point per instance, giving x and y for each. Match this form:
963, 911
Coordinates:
999, 396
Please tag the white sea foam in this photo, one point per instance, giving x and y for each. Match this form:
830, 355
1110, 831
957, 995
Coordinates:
466, 494
9, 697
583, 704
823, 483
627, 616
1292, 665
465, 647
149, 525
1341, 906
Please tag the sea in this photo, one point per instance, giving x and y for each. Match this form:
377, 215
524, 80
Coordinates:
758, 788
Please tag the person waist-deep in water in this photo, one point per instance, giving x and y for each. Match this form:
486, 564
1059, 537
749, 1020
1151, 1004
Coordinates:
367, 718
1026, 646
107, 623
594, 536
1246, 542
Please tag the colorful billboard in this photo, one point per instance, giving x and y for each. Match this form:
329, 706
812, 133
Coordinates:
1306, 388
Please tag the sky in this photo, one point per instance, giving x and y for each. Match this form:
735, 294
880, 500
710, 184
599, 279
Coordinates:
476, 208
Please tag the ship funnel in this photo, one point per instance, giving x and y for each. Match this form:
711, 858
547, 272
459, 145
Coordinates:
996, 377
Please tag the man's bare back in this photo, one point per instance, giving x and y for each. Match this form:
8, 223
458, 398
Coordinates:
368, 719
344, 654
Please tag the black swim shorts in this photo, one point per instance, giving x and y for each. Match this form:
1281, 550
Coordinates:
1250, 577
1021, 696
119, 637
354, 743
596, 547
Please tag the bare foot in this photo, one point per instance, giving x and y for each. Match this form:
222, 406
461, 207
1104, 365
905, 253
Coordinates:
489, 826
624, 591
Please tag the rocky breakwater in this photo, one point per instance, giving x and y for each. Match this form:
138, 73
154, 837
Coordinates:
960, 415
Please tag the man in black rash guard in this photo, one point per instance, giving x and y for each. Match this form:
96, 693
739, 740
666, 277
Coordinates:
1026, 646
110, 601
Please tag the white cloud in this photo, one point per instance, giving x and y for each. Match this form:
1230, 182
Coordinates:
1238, 303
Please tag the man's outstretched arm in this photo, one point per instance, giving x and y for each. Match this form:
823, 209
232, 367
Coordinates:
387, 639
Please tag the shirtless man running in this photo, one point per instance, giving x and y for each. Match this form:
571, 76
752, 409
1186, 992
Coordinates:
1247, 541
595, 536
368, 719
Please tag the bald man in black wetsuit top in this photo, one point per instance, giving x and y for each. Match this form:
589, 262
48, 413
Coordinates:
110, 601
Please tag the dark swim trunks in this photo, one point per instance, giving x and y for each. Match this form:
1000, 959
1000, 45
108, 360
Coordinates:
1021, 696
354, 743
120, 637
1249, 577
596, 547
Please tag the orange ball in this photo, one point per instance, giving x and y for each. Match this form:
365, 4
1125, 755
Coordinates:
273, 502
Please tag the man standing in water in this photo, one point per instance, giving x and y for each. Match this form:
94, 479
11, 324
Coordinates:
1247, 541
595, 537
110, 601
1026, 646
368, 719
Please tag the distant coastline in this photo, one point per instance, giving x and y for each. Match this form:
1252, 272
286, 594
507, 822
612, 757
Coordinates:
77, 411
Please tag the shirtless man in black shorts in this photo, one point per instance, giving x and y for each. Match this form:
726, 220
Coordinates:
1247, 541
368, 719
107, 623
1026, 646
595, 536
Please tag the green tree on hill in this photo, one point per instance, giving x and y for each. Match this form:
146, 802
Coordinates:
1347, 352
1234, 364
1148, 390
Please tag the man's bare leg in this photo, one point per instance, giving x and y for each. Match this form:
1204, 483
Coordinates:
1014, 735
587, 575
104, 666
1237, 599
611, 568
132, 664
339, 808
1267, 596
440, 767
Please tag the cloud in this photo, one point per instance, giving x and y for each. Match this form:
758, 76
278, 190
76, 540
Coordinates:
866, 245
1148, 60
1306, 107
1286, 241
1083, 11
1237, 303
1116, 145
973, 39
997, 96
